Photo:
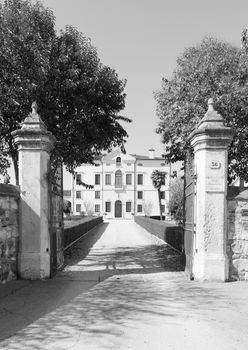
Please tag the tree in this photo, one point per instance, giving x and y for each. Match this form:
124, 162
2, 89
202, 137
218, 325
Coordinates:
89, 208
147, 207
175, 205
210, 69
66, 206
26, 37
79, 98
86, 100
158, 180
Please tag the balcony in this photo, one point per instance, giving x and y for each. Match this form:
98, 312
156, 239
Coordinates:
119, 187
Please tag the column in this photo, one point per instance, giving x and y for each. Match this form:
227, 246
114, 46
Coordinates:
34, 144
210, 141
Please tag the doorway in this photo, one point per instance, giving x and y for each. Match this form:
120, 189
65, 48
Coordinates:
118, 209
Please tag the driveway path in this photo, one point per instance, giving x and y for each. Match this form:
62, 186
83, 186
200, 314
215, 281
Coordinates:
143, 301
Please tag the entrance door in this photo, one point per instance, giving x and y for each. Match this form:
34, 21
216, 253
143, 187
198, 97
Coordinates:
189, 201
118, 209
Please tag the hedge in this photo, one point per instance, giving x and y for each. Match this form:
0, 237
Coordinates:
164, 230
78, 229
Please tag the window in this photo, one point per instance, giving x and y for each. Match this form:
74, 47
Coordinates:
139, 207
128, 207
140, 179
97, 194
129, 179
97, 179
78, 194
97, 208
67, 193
108, 207
78, 208
140, 164
162, 164
118, 179
78, 178
107, 179
140, 194
118, 161
162, 195
163, 208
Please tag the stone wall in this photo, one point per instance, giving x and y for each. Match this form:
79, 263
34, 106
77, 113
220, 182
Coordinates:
237, 233
9, 234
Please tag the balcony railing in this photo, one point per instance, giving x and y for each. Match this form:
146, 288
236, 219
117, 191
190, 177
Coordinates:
119, 186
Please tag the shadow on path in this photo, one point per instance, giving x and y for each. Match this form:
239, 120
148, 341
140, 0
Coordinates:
118, 305
23, 301
144, 287
89, 261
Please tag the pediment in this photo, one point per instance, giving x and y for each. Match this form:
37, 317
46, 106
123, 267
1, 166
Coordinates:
111, 157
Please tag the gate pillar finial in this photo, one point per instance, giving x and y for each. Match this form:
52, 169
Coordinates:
210, 141
211, 104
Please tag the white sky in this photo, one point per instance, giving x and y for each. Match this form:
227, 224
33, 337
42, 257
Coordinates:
141, 40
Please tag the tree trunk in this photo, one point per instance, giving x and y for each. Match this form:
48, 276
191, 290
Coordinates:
13, 152
160, 209
242, 183
15, 163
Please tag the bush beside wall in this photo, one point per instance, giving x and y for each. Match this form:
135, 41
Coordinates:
166, 231
78, 229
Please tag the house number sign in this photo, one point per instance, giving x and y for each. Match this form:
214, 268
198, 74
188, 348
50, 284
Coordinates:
214, 164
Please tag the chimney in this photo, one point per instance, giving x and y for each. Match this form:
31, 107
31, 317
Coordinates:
151, 153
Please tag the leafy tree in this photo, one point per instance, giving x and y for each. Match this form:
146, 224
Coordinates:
26, 37
147, 207
210, 69
89, 208
66, 206
175, 205
158, 180
85, 98
79, 98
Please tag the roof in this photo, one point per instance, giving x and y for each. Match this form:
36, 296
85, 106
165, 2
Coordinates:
99, 157
136, 156
139, 157
67, 193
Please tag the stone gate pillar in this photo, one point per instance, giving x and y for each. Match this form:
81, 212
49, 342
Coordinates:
34, 146
210, 141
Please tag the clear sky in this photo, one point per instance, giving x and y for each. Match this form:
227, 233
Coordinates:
141, 40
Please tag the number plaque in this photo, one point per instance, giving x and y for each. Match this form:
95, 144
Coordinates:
215, 164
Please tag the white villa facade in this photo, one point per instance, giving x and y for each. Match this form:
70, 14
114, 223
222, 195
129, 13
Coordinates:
122, 186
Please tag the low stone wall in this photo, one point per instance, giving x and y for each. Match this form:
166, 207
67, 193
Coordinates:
164, 230
237, 238
79, 228
9, 231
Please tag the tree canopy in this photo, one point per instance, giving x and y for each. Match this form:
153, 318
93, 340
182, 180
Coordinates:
79, 98
175, 205
210, 69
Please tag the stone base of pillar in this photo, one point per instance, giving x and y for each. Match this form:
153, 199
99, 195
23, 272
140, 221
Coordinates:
34, 265
210, 267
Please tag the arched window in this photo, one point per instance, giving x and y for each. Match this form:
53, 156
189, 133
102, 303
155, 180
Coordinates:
118, 178
118, 161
